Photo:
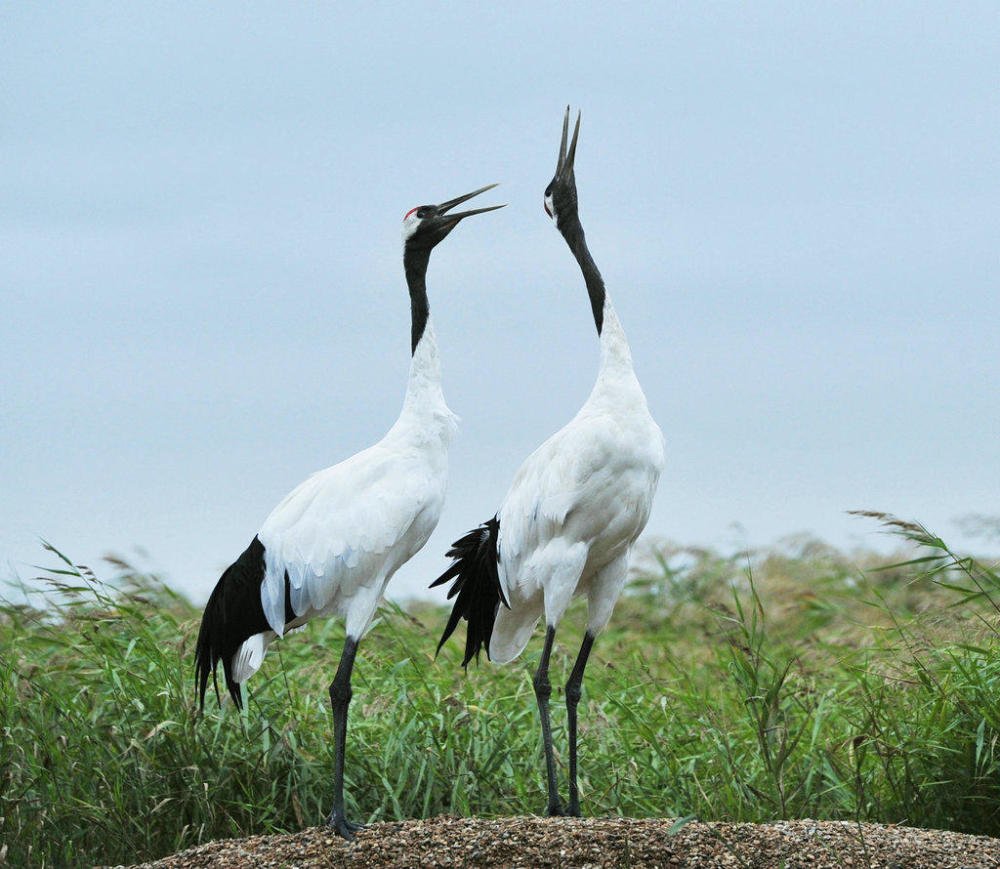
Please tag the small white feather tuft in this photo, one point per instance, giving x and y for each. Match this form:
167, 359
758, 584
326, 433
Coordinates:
250, 655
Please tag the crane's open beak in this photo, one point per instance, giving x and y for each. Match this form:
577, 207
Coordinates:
453, 219
565, 163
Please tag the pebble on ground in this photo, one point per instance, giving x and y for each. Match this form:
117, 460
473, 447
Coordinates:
600, 842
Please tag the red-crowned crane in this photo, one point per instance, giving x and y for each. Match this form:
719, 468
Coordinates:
576, 506
331, 546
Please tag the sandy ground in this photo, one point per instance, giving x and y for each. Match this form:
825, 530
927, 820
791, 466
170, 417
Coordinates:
600, 842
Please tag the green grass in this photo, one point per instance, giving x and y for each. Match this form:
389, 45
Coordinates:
793, 682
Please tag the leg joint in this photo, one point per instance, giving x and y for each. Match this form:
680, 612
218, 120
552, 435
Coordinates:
340, 693
574, 691
543, 688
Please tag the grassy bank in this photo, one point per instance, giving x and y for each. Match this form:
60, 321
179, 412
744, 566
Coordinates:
794, 682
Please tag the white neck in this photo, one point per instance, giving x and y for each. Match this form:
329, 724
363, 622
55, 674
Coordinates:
424, 401
615, 352
616, 384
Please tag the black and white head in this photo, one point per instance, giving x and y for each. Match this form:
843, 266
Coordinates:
560, 195
427, 225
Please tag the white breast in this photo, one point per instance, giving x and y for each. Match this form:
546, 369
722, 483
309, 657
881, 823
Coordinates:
342, 533
591, 483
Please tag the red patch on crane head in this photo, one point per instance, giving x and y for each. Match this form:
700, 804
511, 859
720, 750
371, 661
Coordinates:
408, 213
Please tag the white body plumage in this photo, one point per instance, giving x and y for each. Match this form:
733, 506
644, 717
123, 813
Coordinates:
343, 532
332, 545
573, 512
577, 505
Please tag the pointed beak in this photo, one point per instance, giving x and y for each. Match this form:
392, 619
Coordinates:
565, 163
445, 207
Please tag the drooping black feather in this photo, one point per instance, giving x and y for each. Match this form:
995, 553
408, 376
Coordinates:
233, 614
476, 588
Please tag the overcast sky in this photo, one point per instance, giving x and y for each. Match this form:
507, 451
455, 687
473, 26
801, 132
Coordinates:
795, 209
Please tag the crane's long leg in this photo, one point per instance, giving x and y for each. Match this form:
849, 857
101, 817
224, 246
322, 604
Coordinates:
340, 699
543, 690
573, 692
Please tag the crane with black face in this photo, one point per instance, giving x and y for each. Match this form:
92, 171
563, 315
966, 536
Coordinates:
567, 525
332, 545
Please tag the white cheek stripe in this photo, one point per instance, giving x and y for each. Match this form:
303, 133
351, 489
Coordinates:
550, 207
410, 224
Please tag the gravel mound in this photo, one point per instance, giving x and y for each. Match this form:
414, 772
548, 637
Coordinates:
600, 842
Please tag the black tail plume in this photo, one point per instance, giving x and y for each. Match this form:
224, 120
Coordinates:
233, 614
477, 586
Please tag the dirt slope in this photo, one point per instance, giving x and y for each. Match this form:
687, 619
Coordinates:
600, 842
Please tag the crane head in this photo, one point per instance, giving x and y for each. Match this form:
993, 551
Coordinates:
427, 225
560, 195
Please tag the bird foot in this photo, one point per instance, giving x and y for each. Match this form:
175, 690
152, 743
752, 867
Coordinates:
555, 810
573, 810
343, 827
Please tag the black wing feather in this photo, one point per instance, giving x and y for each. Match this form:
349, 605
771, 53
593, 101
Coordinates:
475, 587
233, 614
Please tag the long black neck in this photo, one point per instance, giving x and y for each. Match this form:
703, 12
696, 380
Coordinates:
572, 231
415, 264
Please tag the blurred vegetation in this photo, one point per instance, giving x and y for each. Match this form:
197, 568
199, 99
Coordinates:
794, 681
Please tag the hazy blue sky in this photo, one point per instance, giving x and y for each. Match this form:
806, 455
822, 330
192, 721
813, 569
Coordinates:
795, 209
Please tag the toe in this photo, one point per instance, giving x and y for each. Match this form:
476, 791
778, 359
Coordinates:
342, 827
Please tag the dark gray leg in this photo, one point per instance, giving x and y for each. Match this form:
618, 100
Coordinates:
340, 699
543, 690
573, 692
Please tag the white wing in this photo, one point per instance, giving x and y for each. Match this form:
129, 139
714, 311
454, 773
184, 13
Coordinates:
347, 528
592, 482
